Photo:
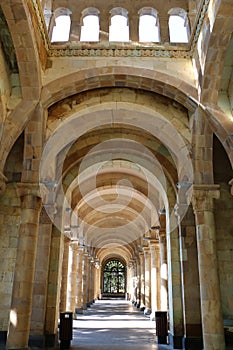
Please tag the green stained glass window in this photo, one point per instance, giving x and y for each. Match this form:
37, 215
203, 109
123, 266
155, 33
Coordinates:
114, 277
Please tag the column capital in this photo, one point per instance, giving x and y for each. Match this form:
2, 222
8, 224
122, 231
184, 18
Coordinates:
28, 188
29, 195
162, 236
153, 243
146, 251
48, 190
51, 210
154, 232
74, 245
80, 248
203, 196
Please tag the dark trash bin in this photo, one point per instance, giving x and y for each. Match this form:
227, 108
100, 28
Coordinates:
66, 329
161, 326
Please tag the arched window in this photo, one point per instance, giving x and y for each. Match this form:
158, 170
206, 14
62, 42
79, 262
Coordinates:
90, 27
114, 277
119, 29
148, 25
178, 26
61, 29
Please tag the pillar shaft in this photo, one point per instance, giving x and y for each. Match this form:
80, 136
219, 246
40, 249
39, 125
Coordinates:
21, 304
54, 284
85, 280
212, 320
154, 273
40, 284
176, 329
72, 276
79, 303
147, 279
142, 278
163, 271
91, 282
64, 282
138, 281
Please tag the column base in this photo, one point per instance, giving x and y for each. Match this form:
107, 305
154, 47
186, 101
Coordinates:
147, 311
228, 337
79, 310
142, 308
176, 341
152, 316
27, 348
3, 338
43, 341
162, 339
192, 343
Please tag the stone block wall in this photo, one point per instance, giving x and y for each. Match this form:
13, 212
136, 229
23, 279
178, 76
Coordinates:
224, 233
9, 227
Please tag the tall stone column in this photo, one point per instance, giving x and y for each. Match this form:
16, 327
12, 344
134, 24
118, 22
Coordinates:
79, 303
133, 281
54, 286
190, 283
85, 279
154, 272
21, 303
129, 281
64, 280
146, 251
142, 278
97, 280
211, 309
72, 277
91, 281
176, 329
40, 285
138, 281
163, 270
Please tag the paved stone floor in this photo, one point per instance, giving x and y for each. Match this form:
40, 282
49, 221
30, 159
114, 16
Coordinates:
114, 325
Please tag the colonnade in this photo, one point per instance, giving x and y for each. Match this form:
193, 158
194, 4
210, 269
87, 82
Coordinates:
157, 278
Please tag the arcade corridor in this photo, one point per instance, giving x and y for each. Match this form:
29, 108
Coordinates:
116, 173
114, 324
